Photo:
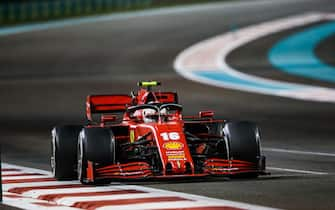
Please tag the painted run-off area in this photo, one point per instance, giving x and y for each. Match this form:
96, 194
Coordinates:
30, 188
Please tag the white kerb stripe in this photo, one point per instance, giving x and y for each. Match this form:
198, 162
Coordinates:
25, 169
12, 172
150, 192
37, 193
162, 205
69, 201
26, 177
7, 187
203, 198
28, 203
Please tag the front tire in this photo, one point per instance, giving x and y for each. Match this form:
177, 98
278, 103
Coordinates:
243, 139
98, 146
64, 152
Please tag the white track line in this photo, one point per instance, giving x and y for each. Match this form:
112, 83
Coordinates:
299, 152
297, 171
5, 31
209, 56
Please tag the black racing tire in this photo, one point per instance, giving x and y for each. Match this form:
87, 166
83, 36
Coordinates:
98, 146
243, 139
64, 151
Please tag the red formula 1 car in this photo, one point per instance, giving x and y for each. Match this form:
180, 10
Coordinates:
145, 135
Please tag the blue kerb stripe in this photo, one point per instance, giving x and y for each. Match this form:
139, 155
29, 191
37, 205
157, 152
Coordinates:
228, 79
295, 54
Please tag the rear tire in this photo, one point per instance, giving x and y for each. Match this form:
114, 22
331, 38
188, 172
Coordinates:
64, 151
98, 146
243, 139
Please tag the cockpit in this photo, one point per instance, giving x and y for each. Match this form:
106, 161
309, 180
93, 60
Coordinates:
155, 112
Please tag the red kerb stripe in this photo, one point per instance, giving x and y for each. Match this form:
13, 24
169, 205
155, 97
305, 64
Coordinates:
46, 204
10, 169
12, 196
20, 190
92, 205
48, 179
54, 197
22, 174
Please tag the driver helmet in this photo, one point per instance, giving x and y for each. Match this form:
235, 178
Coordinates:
149, 115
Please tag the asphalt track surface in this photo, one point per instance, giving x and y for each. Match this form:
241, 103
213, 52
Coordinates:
45, 76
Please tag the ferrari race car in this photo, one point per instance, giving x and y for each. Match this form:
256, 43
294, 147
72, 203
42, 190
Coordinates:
144, 135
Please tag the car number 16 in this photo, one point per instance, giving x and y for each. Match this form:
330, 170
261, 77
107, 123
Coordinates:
170, 136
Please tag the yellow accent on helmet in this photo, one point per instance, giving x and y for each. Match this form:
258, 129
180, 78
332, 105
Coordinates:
148, 83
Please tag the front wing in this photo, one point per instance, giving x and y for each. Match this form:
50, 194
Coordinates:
143, 170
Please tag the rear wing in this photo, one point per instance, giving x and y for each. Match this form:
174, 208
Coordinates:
106, 104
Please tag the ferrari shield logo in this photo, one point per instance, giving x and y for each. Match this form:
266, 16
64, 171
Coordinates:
173, 145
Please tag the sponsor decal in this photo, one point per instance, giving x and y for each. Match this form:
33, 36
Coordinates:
173, 145
176, 157
175, 152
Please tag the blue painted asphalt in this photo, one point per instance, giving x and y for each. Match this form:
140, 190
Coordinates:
296, 53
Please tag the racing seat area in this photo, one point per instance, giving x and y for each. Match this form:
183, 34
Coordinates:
154, 112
